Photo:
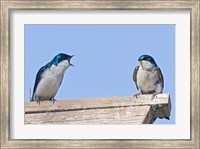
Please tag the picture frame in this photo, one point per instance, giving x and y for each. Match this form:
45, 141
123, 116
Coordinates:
8, 6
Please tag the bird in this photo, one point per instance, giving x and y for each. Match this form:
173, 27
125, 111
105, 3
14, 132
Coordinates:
49, 78
148, 77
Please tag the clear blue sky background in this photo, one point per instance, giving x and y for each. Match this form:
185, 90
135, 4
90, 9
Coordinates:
104, 58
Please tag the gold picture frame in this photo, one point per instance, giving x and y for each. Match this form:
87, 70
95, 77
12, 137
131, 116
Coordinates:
8, 6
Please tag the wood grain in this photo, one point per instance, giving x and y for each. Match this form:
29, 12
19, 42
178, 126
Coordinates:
109, 110
123, 115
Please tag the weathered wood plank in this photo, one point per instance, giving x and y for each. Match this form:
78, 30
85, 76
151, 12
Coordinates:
161, 105
122, 115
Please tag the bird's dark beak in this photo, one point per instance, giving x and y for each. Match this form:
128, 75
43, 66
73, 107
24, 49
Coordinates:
69, 61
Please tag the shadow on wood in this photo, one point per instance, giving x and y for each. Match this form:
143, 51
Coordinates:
111, 110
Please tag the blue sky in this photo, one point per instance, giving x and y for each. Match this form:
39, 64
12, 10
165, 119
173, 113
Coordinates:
104, 58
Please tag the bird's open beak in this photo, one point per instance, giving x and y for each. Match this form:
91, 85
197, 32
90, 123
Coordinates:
70, 59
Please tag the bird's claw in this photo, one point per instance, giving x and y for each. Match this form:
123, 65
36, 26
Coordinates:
52, 100
38, 101
153, 96
137, 95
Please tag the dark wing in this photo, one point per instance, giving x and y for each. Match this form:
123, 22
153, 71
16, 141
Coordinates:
135, 76
160, 76
38, 78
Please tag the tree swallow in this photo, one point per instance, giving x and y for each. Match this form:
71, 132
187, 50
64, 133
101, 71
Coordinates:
49, 78
148, 77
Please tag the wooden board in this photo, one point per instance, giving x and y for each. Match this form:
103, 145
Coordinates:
111, 110
123, 115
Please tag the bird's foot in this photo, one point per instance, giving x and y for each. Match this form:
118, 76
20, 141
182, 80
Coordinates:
52, 100
137, 95
154, 96
38, 101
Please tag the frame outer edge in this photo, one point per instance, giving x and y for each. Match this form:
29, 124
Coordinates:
194, 67
4, 76
195, 64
